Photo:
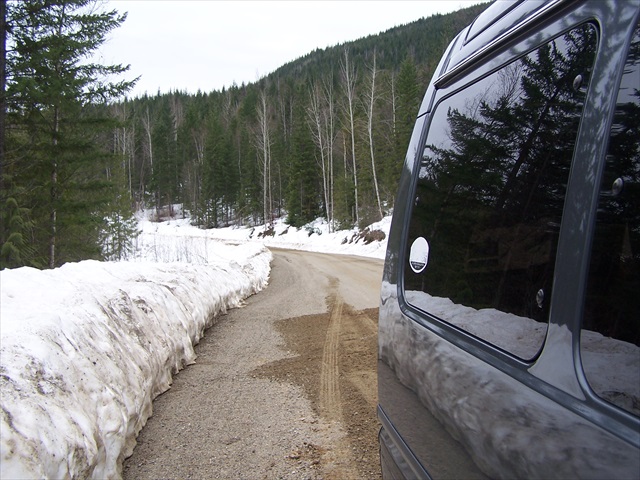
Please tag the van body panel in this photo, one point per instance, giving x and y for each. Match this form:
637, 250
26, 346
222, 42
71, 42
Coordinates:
454, 404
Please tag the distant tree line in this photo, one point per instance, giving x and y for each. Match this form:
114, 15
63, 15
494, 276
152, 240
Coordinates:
324, 135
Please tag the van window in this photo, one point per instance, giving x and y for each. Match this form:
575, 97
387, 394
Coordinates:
610, 339
489, 196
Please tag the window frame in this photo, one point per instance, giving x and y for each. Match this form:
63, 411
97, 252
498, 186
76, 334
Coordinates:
495, 62
590, 391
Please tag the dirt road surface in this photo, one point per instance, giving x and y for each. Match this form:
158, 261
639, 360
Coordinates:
283, 388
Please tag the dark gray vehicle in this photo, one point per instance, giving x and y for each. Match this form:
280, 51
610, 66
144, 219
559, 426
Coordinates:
509, 325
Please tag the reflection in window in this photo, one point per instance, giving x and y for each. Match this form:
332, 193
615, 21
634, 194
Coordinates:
490, 193
610, 337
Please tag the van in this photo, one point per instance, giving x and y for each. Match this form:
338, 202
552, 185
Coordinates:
509, 327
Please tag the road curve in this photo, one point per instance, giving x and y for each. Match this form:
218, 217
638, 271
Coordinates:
282, 388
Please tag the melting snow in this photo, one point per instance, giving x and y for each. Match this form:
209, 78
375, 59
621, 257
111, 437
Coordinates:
85, 348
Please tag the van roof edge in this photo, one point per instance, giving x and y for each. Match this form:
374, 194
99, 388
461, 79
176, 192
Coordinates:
472, 59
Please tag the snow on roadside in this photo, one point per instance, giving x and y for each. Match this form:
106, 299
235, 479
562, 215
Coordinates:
85, 348
314, 237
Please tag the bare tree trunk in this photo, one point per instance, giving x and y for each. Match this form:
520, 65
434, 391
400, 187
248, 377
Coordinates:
371, 97
393, 102
344, 153
264, 144
148, 127
199, 142
53, 215
330, 136
269, 183
130, 158
123, 145
177, 115
349, 76
282, 110
314, 117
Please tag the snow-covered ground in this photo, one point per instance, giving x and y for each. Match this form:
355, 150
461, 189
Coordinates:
85, 348
160, 238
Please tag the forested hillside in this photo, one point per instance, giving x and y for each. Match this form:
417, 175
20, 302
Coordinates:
324, 135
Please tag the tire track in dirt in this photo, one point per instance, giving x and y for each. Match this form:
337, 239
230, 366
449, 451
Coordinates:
338, 462
335, 362
365, 381
330, 406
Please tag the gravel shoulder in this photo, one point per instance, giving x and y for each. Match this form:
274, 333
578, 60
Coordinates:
284, 387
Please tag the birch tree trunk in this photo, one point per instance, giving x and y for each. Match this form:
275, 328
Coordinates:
148, 127
393, 103
131, 143
123, 144
199, 139
349, 77
314, 117
330, 136
264, 145
177, 114
371, 97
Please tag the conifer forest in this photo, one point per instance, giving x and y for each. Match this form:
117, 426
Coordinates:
324, 135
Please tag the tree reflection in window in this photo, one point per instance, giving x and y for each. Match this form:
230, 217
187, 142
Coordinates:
610, 339
490, 193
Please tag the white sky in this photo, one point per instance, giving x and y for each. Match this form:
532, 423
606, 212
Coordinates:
190, 45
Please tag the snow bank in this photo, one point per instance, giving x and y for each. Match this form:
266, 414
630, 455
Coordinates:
85, 348
314, 237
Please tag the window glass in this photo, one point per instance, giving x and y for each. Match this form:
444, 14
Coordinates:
490, 192
610, 340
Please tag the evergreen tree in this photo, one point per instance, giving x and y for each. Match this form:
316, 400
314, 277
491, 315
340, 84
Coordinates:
16, 250
164, 179
409, 96
56, 170
304, 194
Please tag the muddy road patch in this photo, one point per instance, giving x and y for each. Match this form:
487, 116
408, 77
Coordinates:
334, 360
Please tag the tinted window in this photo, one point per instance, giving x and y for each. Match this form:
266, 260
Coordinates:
490, 192
611, 336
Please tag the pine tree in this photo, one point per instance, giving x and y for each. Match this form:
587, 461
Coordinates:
57, 162
16, 250
409, 96
303, 192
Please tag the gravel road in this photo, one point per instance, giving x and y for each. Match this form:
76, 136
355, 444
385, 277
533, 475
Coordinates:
284, 387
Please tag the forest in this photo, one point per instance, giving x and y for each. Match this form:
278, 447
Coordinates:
322, 136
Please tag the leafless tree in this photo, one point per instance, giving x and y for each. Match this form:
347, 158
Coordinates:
263, 144
329, 114
349, 83
370, 98
147, 124
392, 84
124, 138
316, 117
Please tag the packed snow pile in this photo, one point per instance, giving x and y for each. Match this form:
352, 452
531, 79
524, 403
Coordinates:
85, 348
313, 237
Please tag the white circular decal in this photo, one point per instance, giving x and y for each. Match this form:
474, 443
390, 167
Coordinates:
419, 255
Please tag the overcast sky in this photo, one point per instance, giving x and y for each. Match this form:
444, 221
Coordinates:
189, 45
